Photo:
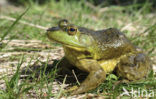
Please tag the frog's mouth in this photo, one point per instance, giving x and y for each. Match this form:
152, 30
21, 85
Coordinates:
73, 46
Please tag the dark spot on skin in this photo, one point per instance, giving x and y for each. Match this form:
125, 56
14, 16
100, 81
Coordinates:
86, 53
140, 58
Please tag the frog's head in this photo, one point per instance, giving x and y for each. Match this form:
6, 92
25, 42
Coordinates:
69, 35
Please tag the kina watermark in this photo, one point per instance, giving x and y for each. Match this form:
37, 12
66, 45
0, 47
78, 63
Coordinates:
138, 92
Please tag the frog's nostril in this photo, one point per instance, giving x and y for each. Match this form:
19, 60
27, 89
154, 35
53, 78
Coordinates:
53, 29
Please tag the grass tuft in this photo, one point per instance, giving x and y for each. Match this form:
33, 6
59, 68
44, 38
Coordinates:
14, 87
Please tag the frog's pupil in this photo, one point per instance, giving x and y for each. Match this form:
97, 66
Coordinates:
72, 29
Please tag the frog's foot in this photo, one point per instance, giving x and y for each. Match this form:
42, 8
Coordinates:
92, 81
71, 89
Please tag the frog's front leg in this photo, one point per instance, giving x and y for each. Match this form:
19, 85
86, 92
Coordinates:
96, 75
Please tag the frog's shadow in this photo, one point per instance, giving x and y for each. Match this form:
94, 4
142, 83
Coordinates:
72, 75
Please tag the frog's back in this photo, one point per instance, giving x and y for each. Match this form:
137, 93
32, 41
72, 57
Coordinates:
112, 43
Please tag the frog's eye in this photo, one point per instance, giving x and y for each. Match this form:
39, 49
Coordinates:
72, 30
63, 24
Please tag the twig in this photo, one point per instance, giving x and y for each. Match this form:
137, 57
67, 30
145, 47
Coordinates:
75, 77
23, 22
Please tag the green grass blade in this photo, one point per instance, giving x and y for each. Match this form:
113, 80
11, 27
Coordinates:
12, 26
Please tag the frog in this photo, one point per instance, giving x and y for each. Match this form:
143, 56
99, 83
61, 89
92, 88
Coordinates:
99, 53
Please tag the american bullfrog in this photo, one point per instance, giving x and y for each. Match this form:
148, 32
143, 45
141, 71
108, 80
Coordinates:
99, 53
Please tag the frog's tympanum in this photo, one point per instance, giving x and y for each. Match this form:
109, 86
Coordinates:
99, 53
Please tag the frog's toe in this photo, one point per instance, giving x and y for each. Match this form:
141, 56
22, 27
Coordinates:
71, 89
78, 91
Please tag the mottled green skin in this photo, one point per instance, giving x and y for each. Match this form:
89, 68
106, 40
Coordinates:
99, 53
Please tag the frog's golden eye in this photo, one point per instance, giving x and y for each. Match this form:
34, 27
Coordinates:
72, 30
63, 24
